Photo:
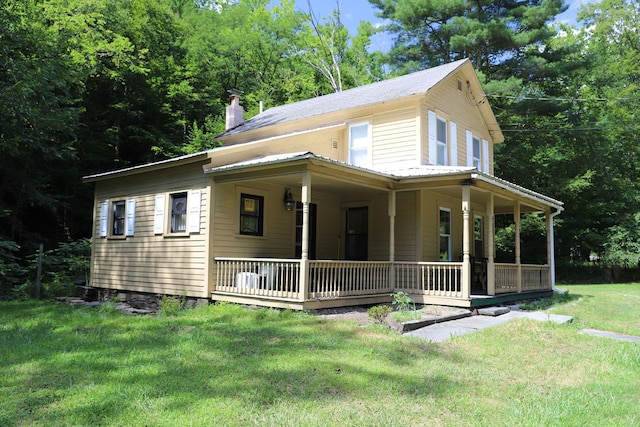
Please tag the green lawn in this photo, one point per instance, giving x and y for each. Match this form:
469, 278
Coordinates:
224, 365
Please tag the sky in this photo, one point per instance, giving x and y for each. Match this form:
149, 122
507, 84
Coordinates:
354, 11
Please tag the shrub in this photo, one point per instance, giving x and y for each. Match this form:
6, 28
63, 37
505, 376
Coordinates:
379, 312
171, 305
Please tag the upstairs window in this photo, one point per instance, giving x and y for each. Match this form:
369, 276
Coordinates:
477, 156
359, 142
441, 140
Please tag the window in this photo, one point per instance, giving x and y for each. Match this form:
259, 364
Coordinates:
441, 139
478, 234
251, 214
183, 212
179, 213
359, 145
118, 218
476, 153
445, 234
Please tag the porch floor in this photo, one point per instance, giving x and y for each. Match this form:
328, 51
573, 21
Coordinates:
475, 301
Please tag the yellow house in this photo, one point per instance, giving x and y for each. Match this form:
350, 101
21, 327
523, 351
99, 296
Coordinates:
338, 200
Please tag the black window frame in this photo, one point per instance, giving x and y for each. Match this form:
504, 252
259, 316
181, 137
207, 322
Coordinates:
251, 215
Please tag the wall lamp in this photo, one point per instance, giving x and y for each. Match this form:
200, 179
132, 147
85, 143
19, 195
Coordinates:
289, 203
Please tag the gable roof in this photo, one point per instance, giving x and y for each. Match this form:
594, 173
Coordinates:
383, 91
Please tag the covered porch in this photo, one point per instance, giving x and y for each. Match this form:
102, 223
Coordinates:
283, 283
411, 250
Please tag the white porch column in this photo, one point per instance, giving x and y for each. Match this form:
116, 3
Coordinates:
491, 230
466, 241
551, 250
392, 239
516, 219
304, 258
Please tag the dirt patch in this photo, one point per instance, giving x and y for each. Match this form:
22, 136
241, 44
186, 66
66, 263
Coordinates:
360, 316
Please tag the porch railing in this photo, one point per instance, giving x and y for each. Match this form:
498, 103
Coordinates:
331, 279
429, 278
534, 278
279, 278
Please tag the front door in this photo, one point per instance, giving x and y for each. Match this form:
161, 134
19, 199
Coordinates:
357, 234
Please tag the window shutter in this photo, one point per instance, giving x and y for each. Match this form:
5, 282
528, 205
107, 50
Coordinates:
104, 218
193, 221
453, 130
158, 216
433, 147
130, 219
485, 156
469, 148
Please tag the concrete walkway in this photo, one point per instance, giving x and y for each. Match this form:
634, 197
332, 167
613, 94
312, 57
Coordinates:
612, 335
443, 331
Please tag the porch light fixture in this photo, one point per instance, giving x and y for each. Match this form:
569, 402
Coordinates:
289, 203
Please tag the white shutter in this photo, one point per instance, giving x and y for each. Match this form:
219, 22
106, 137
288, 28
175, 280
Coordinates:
453, 131
158, 216
485, 156
469, 148
193, 221
433, 145
104, 219
130, 218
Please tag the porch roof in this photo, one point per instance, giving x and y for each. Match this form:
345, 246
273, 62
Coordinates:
395, 179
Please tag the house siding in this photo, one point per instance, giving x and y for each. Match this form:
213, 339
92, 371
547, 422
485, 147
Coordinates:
148, 262
395, 138
453, 104
406, 238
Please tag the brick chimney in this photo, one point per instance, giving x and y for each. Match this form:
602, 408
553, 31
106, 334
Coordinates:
235, 112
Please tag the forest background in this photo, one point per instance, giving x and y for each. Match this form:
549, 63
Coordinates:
88, 86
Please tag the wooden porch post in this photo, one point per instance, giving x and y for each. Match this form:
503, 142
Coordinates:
551, 256
466, 241
491, 268
516, 218
304, 258
392, 240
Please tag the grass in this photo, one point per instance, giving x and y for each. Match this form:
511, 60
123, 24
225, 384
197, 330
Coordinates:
225, 365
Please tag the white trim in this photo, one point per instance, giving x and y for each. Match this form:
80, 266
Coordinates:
158, 216
453, 138
193, 214
485, 156
130, 217
469, 136
104, 219
433, 145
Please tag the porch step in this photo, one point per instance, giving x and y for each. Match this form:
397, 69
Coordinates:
493, 311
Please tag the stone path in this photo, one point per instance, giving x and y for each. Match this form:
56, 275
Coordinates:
613, 335
119, 306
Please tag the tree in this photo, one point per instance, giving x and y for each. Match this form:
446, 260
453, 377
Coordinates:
499, 37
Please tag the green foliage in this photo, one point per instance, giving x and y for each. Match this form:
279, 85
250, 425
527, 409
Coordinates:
379, 312
171, 305
405, 306
61, 268
10, 271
